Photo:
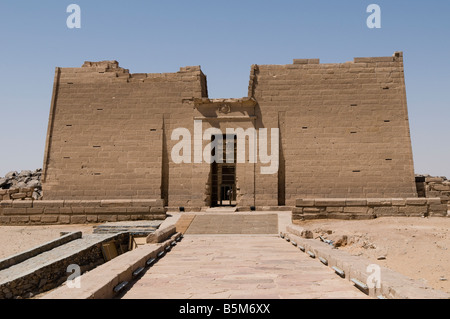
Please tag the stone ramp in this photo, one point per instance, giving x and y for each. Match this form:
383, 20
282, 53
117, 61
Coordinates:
184, 222
234, 224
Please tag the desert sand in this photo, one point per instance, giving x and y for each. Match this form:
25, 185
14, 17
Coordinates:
414, 246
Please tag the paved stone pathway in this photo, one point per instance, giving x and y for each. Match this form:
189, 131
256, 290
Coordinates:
239, 267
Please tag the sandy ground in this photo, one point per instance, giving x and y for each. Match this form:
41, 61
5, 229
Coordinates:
16, 239
416, 247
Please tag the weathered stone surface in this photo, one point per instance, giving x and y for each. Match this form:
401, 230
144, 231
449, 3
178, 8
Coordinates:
306, 100
386, 211
161, 234
304, 202
416, 201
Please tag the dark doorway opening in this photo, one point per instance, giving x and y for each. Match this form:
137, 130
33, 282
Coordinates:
223, 172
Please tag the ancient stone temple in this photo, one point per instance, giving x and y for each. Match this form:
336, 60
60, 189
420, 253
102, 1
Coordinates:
305, 130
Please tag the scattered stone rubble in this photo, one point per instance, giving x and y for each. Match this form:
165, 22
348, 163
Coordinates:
432, 186
23, 185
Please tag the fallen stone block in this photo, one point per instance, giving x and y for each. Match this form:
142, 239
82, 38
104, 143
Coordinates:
161, 234
299, 231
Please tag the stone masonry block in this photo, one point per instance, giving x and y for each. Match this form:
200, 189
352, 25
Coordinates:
330, 202
72, 203
304, 202
311, 210
441, 188
115, 203
6, 203
123, 217
413, 210
107, 218
335, 209
337, 215
398, 201
64, 219
434, 201
91, 218
15, 211
49, 219
416, 201
356, 202
19, 195
78, 219
65, 210
159, 210
146, 202
51, 210
138, 210
19, 219
35, 218
109, 210
356, 209
13, 191
22, 203
306, 61
438, 208
379, 202
48, 203
386, 211
5, 219
161, 234
35, 211
77, 210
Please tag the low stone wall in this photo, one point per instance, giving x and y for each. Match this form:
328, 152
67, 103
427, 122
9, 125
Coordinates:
14, 212
367, 208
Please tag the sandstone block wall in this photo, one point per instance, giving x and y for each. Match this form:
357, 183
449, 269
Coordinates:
344, 127
79, 211
367, 208
344, 133
105, 134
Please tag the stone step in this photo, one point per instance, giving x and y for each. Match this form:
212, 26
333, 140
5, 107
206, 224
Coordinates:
222, 209
234, 224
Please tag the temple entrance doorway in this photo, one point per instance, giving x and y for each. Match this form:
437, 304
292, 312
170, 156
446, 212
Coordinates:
223, 174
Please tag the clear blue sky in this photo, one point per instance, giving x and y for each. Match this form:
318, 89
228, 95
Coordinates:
225, 38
